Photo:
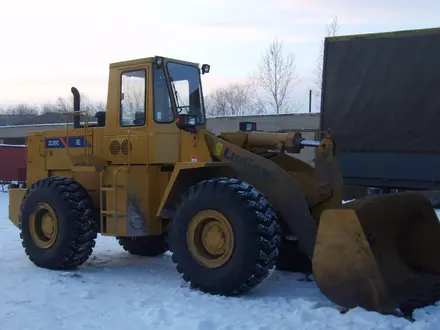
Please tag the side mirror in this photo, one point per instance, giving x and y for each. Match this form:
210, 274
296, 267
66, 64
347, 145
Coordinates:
186, 122
205, 68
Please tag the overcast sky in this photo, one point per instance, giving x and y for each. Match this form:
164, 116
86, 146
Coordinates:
47, 46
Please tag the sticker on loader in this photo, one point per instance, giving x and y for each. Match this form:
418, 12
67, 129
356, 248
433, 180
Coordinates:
62, 142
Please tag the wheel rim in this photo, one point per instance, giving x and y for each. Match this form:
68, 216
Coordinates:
43, 225
210, 238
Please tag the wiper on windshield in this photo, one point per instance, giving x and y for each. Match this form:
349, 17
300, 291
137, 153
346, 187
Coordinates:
177, 98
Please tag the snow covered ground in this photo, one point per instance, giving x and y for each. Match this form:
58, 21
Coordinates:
115, 290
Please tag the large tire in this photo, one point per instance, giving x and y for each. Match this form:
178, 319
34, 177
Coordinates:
75, 225
254, 231
146, 246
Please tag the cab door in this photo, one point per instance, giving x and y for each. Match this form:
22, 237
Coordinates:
128, 142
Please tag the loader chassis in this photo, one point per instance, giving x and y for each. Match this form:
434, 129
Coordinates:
229, 207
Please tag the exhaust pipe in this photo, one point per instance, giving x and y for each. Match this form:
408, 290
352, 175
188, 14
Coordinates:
76, 107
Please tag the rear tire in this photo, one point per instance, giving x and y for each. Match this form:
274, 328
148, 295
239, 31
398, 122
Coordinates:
146, 246
250, 236
73, 227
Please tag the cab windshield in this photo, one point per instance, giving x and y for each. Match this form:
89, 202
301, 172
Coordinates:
186, 90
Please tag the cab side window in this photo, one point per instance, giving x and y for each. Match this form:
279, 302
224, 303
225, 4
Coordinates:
133, 98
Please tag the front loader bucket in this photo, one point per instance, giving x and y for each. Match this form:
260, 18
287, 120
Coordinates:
381, 253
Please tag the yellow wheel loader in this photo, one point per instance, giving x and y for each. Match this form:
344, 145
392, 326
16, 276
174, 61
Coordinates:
230, 207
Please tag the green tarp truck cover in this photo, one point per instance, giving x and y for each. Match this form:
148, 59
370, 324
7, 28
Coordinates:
381, 103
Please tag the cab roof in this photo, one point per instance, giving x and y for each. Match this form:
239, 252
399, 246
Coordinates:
147, 60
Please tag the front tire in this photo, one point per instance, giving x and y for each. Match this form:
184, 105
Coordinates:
224, 236
57, 224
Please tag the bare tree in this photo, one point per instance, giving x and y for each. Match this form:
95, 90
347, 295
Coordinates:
89, 105
63, 105
232, 100
331, 31
48, 108
94, 107
22, 110
275, 80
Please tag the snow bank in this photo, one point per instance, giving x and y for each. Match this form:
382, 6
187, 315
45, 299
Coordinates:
116, 290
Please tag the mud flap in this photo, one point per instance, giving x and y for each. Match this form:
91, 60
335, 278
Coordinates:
381, 253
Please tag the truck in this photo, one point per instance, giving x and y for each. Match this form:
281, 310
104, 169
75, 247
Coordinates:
381, 104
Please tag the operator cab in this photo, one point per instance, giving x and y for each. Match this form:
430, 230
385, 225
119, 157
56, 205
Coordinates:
177, 93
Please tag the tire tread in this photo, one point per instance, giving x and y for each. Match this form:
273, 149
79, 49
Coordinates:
80, 211
267, 228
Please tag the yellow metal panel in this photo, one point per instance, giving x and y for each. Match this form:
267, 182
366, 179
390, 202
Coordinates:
193, 147
140, 187
163, 148
79, 168
197, 171
146, 185
116, 147
35, 159
15, 198
178, 167
62, 158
